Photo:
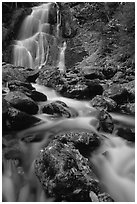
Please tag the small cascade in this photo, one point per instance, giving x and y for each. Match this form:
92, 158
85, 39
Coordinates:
61, 64
116, 169
36, 42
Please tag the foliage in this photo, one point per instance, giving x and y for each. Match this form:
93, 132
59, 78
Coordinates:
114, 23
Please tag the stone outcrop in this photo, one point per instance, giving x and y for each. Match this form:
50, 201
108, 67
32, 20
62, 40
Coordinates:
13, 119
22, 102
104, 103
64, 173
59, 109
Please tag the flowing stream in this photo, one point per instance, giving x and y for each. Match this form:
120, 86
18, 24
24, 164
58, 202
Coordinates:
114, 160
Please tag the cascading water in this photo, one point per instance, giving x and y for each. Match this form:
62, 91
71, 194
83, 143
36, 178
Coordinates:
114, 160
36, 42
61, 64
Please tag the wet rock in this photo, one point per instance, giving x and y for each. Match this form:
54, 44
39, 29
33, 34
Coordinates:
52, 19
119, 77
17, 120
4, 33
128, 108
32, 75
130, 87
27, 89
78, 91
22, 102
37, 96
94, 88
83, 141
4, 91
126, 133
118, 93
64, 173
93, 74
23, 74
105, 197
105, 103
50, 76
11, 72
73, 87
74, 53
5, 108
84, 90
59, 109
68, 25
16, 85
109, 71
105, 122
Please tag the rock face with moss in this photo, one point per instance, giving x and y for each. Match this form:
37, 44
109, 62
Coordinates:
65, 173
59, 109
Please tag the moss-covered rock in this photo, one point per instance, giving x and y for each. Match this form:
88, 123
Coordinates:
64, 173
104, 103
59, 109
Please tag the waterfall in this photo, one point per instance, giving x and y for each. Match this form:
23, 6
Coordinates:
36, 41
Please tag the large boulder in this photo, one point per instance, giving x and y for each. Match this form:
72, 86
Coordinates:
11, 72
32, 75
105, 103
118, 93
65, 174
85, 142
73, 87
128, 108
50, 76
27, 89
37, 96
93, 73
13, 119
105, 122
130, 87
22, 102
109, 71
58, 109
16, 85
84, 89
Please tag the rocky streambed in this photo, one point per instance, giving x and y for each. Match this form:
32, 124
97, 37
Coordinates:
63, 166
